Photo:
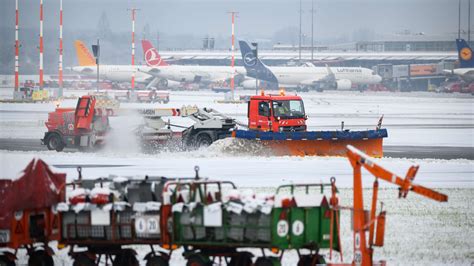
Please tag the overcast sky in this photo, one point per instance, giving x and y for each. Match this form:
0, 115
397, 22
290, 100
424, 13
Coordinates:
256, 17
183, 24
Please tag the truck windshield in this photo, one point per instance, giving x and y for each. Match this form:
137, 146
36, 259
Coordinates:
288, 109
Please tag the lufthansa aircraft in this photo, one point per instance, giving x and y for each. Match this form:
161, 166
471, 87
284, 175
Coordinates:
342, 78
466, 61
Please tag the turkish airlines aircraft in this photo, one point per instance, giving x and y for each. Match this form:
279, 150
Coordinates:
87, 66
118, 73
342, 78
186, 73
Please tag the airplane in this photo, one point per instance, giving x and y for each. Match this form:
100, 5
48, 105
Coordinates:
308, 76
187, 73
466, 62
117, 73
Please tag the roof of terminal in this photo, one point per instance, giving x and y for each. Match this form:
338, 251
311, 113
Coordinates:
293, 55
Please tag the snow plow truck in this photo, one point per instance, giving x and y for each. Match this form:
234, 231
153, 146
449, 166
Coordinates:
277, 122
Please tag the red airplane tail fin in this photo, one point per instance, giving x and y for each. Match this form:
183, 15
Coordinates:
152, 57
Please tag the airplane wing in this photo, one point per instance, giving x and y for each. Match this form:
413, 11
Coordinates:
309, 82
327, 78
154, 71
448, 72
466, 74
152, 82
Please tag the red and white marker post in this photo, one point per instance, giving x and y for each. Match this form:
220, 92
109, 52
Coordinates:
133, 47
232, 64
60, 79
17, 48
41, 47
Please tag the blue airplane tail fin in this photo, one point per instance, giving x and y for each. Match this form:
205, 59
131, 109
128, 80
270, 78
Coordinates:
465, 56
254, 67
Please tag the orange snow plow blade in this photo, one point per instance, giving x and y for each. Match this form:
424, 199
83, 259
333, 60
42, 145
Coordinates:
372, 147
317, 143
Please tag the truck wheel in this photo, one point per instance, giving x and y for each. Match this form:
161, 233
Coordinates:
198, 260
5, 261
203, 140
241, 259
156, 261
310, 260
40, 258
54, 142
267, 261
125, 258
83, 260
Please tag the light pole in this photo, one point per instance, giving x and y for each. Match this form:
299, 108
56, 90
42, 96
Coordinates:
459, 19
299, 47
312, 31
96, 51
255, 52
469, 22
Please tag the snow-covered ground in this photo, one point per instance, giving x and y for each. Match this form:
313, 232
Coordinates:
244, 170
415, 119
419, 231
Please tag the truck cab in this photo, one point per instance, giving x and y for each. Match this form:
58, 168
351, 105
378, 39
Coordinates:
276, 113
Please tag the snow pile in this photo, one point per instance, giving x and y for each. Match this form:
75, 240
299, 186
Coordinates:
233, 146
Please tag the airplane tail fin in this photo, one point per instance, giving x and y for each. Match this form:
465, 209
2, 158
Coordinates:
254, 67
84, 56
152, 57
466, 58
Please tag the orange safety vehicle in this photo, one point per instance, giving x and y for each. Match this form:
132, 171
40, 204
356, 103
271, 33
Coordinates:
278, 122
82, 127
276, 113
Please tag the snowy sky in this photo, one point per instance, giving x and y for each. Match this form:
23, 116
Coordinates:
262, 17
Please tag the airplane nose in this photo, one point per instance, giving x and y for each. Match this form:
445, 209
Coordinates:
378, 78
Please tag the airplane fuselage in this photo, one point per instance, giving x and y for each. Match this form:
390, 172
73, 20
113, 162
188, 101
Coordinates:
117, 73
467, 74
186, 73
308, 75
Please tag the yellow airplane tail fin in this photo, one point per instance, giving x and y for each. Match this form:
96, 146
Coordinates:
84, 56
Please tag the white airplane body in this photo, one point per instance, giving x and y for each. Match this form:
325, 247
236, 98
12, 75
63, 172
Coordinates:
306, 76
186, 73
118, 73
157, 70
466, 74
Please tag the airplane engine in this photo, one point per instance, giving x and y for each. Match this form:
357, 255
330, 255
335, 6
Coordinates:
343, 84
239, 78
248, 84
163, 83
87, 71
